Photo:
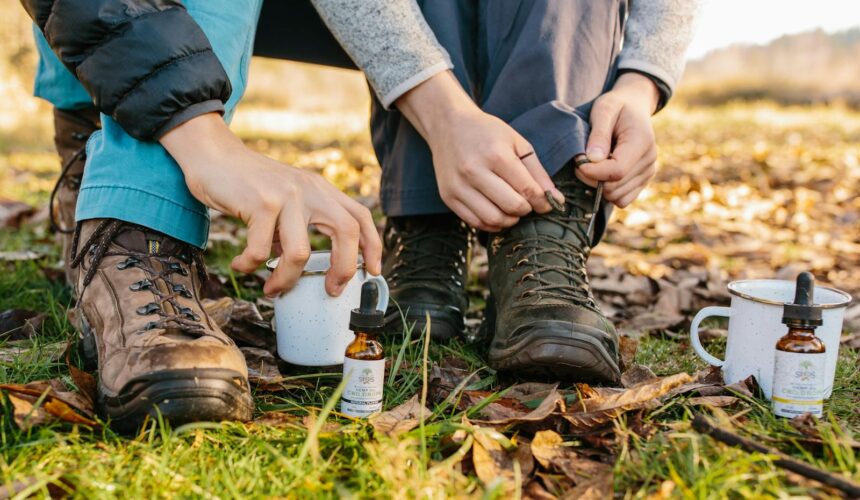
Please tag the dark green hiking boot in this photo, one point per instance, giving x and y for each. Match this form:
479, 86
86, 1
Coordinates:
425, 264
547, 322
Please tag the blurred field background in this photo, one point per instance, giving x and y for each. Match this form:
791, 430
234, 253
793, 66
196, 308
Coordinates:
759, 176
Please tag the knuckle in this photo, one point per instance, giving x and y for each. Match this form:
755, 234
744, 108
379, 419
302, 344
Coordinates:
298, 255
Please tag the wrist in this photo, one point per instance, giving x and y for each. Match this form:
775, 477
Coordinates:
200, 142
641, 89
434, 104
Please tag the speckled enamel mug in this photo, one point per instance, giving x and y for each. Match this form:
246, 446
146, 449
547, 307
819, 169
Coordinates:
312, 327
755, 325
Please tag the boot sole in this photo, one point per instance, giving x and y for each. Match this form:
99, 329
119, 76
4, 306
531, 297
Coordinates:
553, 349
180, 397
443, 326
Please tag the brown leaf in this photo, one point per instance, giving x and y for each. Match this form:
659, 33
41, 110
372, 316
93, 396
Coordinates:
600, 411
277, 419
627, 351
242, 322
20, 324
502, 415
636, 375
748, 387
492, 461
548, 449
400, 419
446, 376
535, 491
262, 365
598, 487
713, 401
57, 404
12, 213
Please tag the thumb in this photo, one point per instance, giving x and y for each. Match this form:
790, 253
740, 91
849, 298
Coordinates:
604, 114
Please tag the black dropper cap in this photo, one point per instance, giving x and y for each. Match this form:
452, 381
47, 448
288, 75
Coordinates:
367, 318
803, 313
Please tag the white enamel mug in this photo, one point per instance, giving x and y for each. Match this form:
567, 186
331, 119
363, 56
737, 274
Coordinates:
755, 325
312, 327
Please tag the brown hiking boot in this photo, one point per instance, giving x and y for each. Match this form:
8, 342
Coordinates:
72, 128
158, 351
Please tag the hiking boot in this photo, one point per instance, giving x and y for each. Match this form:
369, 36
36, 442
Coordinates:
546, 321
425, 265
72, 128
157, 349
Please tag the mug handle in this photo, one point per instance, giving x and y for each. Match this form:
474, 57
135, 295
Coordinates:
694, 332
382, 286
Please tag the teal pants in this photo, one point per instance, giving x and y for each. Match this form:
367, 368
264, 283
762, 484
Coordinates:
139, 181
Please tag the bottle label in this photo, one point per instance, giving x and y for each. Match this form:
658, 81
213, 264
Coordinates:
798, 384
363, 393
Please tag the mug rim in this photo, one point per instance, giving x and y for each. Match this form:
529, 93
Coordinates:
272, 263
836, 305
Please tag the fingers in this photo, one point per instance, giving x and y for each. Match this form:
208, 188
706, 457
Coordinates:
259, 246
469, 217
295, 251
489, 214
345, 232
369, 241
604, 116
504, 196
538, 175
628, 190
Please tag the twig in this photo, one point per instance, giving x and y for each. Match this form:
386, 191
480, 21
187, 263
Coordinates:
850, 488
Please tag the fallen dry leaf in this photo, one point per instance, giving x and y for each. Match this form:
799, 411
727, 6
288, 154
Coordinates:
599, 411
627, 352
242, 322
13, 213
598, 487
499, 414
549, 450
713, 401
57, 404
262, 366
400, 419
492, 461
277, 419
20, 324
636, 375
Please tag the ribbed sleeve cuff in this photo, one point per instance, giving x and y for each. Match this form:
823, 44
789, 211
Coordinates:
413, 81
651, 69
193, 111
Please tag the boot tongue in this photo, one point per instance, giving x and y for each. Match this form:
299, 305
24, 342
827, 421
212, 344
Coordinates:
148, 242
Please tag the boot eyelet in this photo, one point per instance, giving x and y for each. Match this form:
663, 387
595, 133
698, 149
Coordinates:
148, 309
144, 284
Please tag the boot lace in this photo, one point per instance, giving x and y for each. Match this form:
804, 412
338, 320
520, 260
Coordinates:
72, 181
98, 244
417, 261
528, 252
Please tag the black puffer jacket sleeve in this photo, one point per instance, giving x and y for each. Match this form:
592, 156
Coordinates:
146, 63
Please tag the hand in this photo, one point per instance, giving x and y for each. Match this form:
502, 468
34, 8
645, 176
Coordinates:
487, 173
277, 202
622, 116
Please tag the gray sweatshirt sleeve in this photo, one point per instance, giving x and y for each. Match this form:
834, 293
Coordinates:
389, 40
656, 37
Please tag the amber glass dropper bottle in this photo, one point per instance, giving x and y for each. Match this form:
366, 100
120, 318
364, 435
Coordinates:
798, 378
364, 360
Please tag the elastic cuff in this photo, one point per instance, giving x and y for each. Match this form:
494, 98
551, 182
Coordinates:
193, 111
151, 210
413, 81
